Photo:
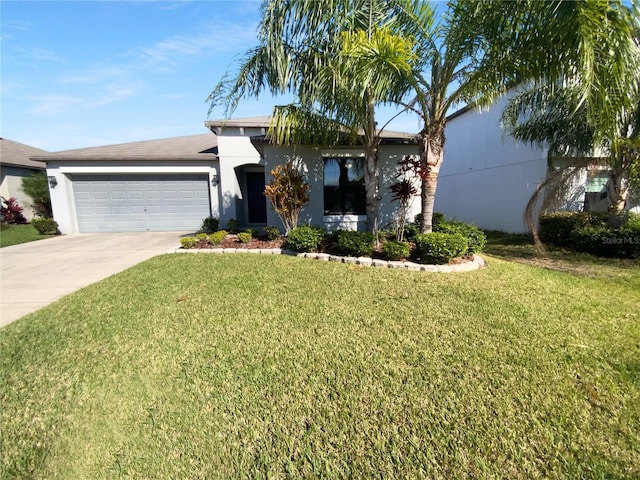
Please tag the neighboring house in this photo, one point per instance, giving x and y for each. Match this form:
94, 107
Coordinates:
15, 164
173, 184
487, 177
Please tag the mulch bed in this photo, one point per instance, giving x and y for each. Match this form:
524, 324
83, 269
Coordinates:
232, 241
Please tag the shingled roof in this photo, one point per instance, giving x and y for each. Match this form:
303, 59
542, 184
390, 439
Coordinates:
18, 154
194, 147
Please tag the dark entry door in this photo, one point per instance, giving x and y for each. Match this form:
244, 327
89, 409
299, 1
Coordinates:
256, 201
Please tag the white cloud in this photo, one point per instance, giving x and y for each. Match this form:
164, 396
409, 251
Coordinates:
42, 54
112, 94
94, 75
167, 54
54, 104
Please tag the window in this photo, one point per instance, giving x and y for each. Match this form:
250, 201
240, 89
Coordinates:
344, 191
596, 198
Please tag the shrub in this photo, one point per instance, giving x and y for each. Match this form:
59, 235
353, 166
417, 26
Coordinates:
411, 230
438, 217
217, 237
201, 237
475, 237
45, 226
438, 247
393, 250
630, 233
305, 239
631, 221
589, 233
233, 225
210, 225
607, 242
12, 212
555, 228
188, 242
245, 237
37, 187
352, 244
288, 192
253, 231
272, 233
590, 239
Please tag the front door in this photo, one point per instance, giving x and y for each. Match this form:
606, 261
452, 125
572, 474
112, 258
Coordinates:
256, 201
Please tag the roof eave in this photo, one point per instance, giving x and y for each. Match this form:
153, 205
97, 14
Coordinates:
129, 158
263, 140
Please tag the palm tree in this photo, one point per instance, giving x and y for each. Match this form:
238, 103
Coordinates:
552, 119
463, 61
592, 115
341, 59
479, 50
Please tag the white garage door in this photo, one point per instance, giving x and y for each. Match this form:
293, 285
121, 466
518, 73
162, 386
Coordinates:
140, 203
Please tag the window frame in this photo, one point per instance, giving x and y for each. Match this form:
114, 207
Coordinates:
353, 214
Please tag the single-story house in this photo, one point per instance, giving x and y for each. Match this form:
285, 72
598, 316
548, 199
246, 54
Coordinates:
15, 164
487, 177
173, 184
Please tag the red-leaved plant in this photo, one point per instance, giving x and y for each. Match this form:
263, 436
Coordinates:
12, 212
403, 191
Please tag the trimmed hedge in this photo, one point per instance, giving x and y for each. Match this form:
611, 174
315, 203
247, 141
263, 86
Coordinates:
439, 248
217, 237
352, 243
475, 237
589, 233
394, 250
556, 228
305, 239
188, 242
45, 226
210, 225
245, 237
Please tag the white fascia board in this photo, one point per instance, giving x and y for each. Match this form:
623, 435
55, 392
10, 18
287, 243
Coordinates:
135, 169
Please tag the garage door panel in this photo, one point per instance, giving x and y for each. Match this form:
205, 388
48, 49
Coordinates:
116, 203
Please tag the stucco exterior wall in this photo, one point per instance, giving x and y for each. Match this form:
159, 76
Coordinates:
312, 158
487, 177
11, 186
235, 150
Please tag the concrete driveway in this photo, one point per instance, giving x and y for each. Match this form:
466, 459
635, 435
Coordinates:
35, 274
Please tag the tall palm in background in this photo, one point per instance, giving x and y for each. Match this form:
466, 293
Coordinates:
591, 115
478, 51
314, 50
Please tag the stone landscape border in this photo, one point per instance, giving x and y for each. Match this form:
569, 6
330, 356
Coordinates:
467, 266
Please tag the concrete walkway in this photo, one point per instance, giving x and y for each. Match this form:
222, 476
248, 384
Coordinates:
34, 274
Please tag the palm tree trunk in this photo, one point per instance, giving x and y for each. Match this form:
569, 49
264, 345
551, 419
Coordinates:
432, 155
618, 194
371, 171
371, 181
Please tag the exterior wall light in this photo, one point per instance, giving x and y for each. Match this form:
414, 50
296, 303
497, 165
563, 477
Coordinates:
52, 181
215, 180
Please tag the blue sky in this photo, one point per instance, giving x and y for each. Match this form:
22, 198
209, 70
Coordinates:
85, 73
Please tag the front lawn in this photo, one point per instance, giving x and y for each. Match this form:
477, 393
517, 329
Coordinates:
265, 366
15, 234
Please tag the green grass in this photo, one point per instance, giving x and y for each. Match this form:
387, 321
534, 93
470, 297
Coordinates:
15, 234
255, 366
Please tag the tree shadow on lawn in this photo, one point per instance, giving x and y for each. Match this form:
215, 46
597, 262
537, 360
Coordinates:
518, 247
